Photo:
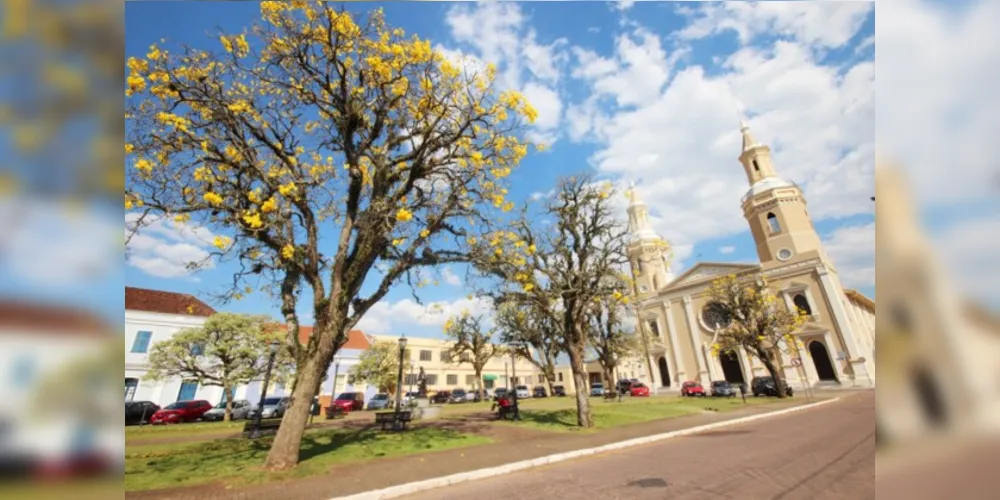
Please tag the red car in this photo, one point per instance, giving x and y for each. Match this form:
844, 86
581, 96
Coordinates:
639, 390
350, 401
692, 388
181, 411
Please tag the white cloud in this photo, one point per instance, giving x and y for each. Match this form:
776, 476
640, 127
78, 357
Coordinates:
548, 104
727, 249
449, 277
968, 251
165, 248
624, 5
852, 249
391, 318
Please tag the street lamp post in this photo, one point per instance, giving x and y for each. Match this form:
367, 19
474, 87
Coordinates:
411, 377
399, 383
255, 425
513, 373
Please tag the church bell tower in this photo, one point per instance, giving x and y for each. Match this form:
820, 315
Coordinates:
647, 252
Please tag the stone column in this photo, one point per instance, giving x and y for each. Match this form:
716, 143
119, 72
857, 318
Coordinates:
831, 350
863, 371
695, 343
675, 350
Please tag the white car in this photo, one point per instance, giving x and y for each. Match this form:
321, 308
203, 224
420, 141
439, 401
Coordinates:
241, 410
522, 392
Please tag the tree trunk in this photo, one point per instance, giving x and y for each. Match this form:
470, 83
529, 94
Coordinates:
284, 452
227, 391
609, 375
583, 418
550, 375
772, 368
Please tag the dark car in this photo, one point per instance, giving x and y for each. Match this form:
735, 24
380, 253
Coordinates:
139, 412
441, 397
499, 393
766, 386
458, 396
539, 392
181, 411
722, 388
624, 386
559, 390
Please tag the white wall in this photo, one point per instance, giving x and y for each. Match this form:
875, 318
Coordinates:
163, 327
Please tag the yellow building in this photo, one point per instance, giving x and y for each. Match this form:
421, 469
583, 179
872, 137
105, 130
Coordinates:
839, 336
446, 372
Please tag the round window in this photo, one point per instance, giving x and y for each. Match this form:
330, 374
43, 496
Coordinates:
715, 314
784, 254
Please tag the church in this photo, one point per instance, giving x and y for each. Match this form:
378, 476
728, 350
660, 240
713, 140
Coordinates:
839, 335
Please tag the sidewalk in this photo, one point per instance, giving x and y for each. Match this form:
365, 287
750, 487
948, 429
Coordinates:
512, 444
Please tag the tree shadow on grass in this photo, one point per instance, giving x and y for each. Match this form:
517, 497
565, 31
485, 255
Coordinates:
562, 419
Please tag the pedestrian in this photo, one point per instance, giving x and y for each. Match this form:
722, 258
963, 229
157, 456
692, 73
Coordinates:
743, 392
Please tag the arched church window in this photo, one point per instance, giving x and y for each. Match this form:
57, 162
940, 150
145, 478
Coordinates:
654, 328
802, 304
772, 222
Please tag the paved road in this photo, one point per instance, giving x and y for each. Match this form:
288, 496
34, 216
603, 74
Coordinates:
822, 453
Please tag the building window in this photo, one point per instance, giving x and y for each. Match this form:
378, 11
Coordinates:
425, 356
541, 379
715, 315
802, 304
756, 167
446, 356
189, 388
464, 357
654, 328
527, 380
141, 343
559, 376
772, 222
452, 379
432, 379
23, 371
410, 379
470, 380
197, 350
131, 384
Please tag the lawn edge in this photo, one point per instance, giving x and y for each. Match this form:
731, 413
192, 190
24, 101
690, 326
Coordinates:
462, 477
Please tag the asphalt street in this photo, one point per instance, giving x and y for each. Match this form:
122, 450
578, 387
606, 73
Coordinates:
826, 452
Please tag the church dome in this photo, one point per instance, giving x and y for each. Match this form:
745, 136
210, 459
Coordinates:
766, 184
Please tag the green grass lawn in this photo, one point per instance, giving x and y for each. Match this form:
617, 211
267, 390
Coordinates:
134, 432
562, 415
238, 461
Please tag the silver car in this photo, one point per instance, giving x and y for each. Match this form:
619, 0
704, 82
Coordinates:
273, 408
241, 410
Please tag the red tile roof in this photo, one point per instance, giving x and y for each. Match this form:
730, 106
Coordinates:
159, 301
44, 318
356, 339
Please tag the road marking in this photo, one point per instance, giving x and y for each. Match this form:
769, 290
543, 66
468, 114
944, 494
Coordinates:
462, 477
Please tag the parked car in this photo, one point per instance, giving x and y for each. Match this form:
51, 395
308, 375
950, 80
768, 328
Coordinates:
241, 410
637, 389
181, 411
767, 387
559, 390
350, 401
441, 397
139, 412
522, 392
539, 392
692, 388
458, 395
274, 407
624, 386
499, 393
410, 396
596, 389
379, 401
478, 395
722, 388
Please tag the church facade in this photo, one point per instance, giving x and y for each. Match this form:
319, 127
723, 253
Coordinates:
839, 335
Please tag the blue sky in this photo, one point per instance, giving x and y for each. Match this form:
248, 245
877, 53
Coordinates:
648, 93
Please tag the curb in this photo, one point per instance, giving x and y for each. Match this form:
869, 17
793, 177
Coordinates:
439, 482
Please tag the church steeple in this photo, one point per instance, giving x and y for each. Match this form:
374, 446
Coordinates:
755, 157
638, 217
647, 251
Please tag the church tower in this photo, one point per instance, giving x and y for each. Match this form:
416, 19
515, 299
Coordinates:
775, 209
647, 252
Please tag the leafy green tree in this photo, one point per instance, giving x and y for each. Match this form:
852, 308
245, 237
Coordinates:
228, 350
471, 343
532, 335
379, 366
318, 147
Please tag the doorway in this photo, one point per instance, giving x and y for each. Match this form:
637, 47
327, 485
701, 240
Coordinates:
664, 372
821, 360
131, 384
731, 369
930, 397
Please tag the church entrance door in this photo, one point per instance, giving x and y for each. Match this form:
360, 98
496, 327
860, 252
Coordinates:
664, 373
821, 360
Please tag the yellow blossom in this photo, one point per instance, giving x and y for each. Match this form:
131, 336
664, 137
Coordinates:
403, 215
287, 189
221, 242
144, 165
425, 233
269, 206
253, 220
288, 251
398, 241
212, 198
129, 148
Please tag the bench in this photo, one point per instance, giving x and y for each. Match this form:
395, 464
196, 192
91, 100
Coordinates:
507, 412
397, 420
267, 427
609, 395
334, 411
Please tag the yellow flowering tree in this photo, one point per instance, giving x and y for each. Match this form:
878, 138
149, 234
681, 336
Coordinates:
561, 270
471, 342
320, 146
531, 334
750, 317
